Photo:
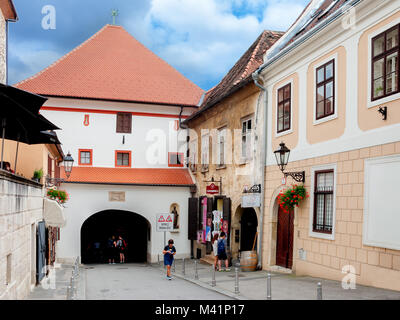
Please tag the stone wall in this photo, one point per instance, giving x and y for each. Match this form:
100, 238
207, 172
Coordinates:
236, 174
374, 266
21, 207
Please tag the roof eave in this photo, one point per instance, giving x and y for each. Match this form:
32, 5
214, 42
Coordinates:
308, 35
233, 90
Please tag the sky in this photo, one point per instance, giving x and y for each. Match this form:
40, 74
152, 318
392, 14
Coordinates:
202, 39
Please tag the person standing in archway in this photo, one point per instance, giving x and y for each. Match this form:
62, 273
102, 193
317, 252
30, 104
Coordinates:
121, 245
111, 246
169, 252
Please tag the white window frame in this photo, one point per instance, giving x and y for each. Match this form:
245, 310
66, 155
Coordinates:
221, 147
334, 57
311, 214
393, 97
249, 136
193, 155
205, 152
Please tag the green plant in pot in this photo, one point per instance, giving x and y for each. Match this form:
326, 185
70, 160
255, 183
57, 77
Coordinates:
37, 175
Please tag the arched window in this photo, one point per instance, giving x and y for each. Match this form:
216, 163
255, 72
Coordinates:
175, 210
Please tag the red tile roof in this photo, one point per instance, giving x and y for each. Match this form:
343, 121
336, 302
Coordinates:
112, 65
134, 176
241, 72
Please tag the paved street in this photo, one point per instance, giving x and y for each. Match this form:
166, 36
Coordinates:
148, 282
140, 282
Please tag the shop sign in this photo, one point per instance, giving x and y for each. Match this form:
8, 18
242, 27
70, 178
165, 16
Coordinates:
251, 200
212, 189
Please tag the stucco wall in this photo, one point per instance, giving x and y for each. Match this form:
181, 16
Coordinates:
374, 266
21, 205
87, 200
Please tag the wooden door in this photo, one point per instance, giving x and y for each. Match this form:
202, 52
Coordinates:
284, 242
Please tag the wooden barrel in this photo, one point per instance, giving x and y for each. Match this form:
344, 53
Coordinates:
248, 261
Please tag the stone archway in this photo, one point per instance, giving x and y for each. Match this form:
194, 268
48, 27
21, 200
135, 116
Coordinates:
98, 228
245, 225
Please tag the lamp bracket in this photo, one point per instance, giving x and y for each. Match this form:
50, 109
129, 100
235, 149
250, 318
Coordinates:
299, 176
53, 182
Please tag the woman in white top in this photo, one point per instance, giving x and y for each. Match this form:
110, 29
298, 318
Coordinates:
214, 242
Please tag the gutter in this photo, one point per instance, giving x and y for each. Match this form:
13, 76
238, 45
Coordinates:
335, 16
263, 161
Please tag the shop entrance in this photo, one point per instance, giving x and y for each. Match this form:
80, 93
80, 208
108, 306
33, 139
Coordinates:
284, 241
248, 226
98, 228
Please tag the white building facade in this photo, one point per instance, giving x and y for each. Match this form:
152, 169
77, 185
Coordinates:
120, 108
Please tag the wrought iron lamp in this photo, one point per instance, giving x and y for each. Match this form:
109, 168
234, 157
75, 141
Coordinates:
68, 164
282, 159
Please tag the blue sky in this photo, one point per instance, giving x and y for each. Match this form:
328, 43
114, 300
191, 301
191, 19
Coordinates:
200, 38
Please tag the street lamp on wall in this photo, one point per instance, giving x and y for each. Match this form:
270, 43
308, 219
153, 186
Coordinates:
282, 159
68, 164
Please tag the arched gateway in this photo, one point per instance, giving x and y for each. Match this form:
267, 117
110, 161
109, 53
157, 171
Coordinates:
98, 228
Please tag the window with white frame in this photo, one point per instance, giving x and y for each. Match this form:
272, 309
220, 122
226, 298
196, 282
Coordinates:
246, 138
221, 147
193, 155
205, 149
323, 201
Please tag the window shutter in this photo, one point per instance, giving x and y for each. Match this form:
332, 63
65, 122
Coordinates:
57, 170
193, 217
210, 202
227, 209
49, 166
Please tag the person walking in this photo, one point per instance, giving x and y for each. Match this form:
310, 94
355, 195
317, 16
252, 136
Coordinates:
121, 245
222, 252
111, 246
169, 252
214, 242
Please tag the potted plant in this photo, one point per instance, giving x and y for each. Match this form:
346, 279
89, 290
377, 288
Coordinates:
37, 175
292, 197
58, 195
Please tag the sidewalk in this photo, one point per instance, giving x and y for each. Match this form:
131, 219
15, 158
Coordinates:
253, 285
54, 286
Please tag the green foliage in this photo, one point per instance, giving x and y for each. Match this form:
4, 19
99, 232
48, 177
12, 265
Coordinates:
292, 197
38, 174
59, 195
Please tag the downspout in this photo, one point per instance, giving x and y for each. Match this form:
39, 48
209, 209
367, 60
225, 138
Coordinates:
263, 159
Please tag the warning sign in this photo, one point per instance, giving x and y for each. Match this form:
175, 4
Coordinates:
165, 222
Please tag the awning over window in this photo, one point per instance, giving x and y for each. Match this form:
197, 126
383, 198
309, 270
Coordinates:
53, 214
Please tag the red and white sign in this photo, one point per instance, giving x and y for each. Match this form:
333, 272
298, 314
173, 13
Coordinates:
165, 222
212, 189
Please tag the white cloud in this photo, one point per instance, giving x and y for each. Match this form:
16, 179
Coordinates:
203, 39
31, 57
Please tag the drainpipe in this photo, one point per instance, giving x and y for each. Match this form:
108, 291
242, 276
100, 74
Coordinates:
263, 159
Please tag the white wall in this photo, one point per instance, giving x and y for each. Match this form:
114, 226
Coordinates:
101, 134
368, 14
87, 200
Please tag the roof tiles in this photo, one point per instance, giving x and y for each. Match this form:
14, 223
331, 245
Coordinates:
134, 176
113, 65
